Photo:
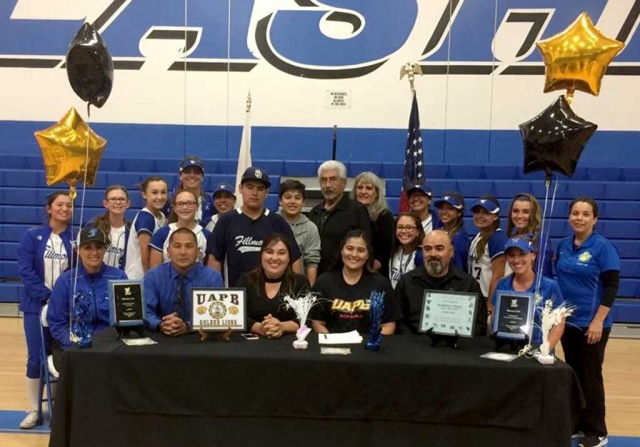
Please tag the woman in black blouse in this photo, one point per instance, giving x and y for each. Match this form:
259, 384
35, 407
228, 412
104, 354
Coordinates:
266, 286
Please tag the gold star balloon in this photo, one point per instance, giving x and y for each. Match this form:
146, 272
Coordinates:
71, 151
577, 58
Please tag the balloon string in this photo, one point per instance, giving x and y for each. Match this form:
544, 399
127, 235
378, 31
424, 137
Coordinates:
84, 192
446, 88
545, 231
493, 77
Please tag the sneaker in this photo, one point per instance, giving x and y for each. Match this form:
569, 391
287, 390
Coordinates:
594, 441
31, 420
577, 435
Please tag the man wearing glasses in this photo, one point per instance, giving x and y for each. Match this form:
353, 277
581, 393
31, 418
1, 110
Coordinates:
234, 246
337, 214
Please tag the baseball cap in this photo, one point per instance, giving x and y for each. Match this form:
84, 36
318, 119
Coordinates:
192, 161
223, 186
451, 200
491, 205
424, 188
522, 243
88, 235
257, 174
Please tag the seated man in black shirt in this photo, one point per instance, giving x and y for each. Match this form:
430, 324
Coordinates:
437, 273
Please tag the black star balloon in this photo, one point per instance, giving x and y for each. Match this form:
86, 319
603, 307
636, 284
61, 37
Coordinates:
554, 140
89, 66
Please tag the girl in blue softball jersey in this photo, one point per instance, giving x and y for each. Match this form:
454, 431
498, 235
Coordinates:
450, 211
44, 253
487, 263
146, 223
525, 218
113, 223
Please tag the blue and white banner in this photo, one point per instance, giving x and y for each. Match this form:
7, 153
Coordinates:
192, 62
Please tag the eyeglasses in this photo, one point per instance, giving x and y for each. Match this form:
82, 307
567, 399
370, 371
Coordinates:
188, 204
117, 199
407, 228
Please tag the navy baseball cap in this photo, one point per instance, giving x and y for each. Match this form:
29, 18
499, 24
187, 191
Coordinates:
192, 161
88, 235
522, 243
223, 187
423, 188
256, 174
492, 206
451, 200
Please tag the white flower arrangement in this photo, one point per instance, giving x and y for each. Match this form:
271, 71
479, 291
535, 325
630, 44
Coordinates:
301, 306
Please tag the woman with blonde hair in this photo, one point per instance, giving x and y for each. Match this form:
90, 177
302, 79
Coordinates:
525, 219
369, 190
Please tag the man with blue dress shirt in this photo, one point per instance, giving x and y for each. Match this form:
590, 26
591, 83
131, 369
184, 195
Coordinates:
167, 287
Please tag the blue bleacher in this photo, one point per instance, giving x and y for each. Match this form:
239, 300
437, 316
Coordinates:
9, 292
300, 168
23, 191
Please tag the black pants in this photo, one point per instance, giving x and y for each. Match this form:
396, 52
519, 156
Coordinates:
56, 352
586, 360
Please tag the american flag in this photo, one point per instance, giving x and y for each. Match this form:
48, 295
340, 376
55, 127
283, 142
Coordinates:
413, 158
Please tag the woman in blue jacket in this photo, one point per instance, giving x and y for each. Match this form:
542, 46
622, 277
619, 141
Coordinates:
588, 270
43, 254
93, 276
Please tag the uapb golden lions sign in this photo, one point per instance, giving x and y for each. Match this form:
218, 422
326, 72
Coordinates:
219, 309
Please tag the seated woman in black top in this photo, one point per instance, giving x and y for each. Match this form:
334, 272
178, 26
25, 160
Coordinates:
346, 290
267, 314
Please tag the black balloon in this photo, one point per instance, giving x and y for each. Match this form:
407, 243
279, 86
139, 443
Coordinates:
554, 140
89, 66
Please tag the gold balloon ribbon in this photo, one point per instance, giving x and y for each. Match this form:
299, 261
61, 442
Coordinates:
577, 58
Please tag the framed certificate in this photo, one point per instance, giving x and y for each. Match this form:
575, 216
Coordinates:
126, 303
219, 309
513, 315
449, 313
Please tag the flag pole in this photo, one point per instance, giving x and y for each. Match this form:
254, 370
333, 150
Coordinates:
244, 154
334, 143
413, 172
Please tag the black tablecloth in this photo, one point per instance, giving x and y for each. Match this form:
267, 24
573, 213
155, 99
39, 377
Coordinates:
183, 391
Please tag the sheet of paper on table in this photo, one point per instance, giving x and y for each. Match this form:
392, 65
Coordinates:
334, 351
346, 338
500, 356
144, 341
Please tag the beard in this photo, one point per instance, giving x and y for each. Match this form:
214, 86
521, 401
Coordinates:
434, 267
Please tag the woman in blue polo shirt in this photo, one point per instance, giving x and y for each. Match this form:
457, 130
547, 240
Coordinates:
588, 271
450, 211
521, 257
43, 254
